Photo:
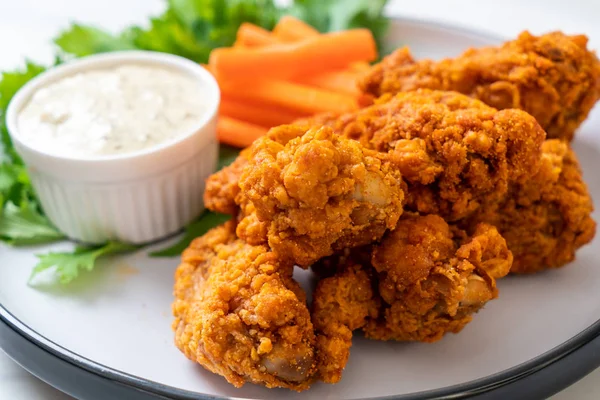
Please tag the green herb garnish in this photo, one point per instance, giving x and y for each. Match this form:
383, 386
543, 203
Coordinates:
338, 15
22, 221
189, 28
24, 225
67, 265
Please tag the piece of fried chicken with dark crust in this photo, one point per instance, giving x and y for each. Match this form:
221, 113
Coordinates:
546, 219
318, 193
554, 77
455, 153
239, 313
423, 280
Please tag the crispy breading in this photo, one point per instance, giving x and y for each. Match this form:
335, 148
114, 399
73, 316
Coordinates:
222, 186
423, 280
455, 152
318, 193
342, 303
554, 77
546, 219
239, 313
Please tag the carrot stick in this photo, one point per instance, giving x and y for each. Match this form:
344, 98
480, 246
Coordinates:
322, 53
338, 81
290, 29
238, 133
259, 114
360, 66
251, 35
293, 96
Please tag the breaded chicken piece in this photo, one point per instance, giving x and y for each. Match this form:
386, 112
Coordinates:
546, 219
222, 186
239, 313
423, 280
318, 193
342, 303
554, 77
455, 152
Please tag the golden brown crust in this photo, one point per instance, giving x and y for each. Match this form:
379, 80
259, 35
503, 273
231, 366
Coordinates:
341, 304
318, 193
553, 77
454, 276
546, 219
455, 152
425, 279
239, 314
222, 186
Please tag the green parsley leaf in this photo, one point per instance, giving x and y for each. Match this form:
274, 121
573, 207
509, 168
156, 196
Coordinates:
166, 34
215, 22
67, 265
10, 83
81, 40
14, 185
188, 28
8, 178
337, 15
24, 225
207, 221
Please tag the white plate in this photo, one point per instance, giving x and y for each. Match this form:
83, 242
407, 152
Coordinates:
118, 317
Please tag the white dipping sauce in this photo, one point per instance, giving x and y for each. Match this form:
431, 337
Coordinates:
112, 111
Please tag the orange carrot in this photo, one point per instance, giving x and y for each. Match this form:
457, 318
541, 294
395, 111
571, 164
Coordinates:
259, 114
339, 81
360, 66
321, 53
251, 35
290, 29
293, 96
238, 133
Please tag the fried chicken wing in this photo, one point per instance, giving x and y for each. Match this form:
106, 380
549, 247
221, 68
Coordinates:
342, 303
546, 219
554, 77
239, 313
424, 279
318, 193
222, 186
454, 152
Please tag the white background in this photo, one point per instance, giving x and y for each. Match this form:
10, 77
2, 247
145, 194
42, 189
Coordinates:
26, 27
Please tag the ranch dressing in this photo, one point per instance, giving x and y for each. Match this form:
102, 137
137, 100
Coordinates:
112, 111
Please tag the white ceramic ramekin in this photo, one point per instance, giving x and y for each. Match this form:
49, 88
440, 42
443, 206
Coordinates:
136, 197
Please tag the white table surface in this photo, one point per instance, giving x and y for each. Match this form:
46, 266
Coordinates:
26, 27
